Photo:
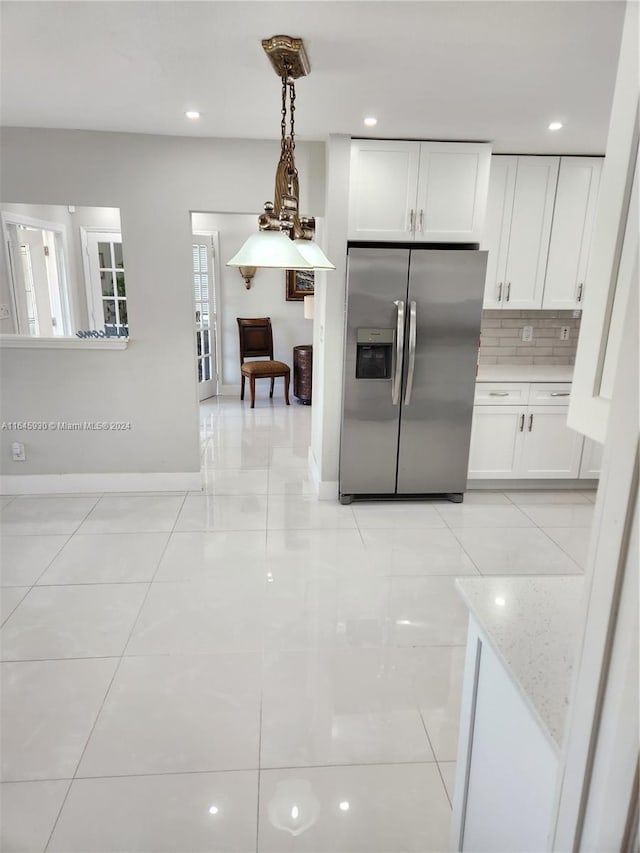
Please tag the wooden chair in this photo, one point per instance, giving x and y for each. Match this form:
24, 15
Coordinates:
256, 341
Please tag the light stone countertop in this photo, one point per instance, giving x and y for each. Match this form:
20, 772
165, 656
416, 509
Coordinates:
525, 373
534, 633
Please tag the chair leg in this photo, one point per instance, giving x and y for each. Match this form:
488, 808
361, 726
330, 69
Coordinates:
242, 388
287, 377
252, 385
273, 382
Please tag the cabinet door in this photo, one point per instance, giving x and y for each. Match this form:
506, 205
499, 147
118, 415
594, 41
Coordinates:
512, 767
535, 187
591, 459
453, 180
495, 238
573, 217
550, 450
382, 189
496, 442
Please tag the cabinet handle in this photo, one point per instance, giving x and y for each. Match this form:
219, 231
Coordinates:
500, 292
411, 218
498, 393
508, 291
521, 423
560, 394
530, 422
421, 226
580, 289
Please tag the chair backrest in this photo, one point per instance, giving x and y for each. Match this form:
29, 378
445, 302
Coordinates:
256, 338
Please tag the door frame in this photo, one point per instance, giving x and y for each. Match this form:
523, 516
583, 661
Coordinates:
216, 273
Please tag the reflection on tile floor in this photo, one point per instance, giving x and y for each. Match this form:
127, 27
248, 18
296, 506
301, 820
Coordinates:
245, 668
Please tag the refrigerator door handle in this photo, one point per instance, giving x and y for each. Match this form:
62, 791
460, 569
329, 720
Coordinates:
397, 370
412, 351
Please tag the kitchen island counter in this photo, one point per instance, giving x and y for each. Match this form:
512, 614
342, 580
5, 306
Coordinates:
531, 623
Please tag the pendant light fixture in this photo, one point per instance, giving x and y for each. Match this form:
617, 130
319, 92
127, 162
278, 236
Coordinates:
284, 239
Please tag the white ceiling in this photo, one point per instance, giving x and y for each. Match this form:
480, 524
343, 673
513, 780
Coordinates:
462, 69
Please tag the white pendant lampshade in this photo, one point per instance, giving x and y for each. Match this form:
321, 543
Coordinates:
312, 253
270, 249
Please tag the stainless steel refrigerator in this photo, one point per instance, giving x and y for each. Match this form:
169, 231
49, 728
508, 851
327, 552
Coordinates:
411, 349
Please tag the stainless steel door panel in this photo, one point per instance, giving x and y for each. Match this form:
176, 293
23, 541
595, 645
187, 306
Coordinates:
376, 281
447, 287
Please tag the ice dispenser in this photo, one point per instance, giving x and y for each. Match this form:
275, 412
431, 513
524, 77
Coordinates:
374, 353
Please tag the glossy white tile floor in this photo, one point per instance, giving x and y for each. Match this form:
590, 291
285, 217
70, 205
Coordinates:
246, 669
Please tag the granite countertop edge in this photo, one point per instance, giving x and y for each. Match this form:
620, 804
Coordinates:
525, 373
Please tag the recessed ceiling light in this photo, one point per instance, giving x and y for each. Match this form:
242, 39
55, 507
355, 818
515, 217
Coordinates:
192, 114
370, 121
555, 125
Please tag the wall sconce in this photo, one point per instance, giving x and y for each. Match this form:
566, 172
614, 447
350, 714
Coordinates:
247, 274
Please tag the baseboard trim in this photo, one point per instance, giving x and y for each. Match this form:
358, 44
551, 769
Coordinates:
532, 485
62, 484
325, 490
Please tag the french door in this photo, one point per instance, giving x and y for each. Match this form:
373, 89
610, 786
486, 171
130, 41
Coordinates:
205, 314
106, 288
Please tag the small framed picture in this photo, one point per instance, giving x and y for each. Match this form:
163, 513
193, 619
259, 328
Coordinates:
299, 284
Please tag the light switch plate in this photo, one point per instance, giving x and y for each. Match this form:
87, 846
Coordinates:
4, 312
527, 333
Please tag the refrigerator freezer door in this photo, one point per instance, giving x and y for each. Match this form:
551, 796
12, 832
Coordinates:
376, 301
435, 422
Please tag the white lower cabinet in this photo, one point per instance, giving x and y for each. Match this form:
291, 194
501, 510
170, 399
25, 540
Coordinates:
506, 768
591, 459
523, 441
550, 449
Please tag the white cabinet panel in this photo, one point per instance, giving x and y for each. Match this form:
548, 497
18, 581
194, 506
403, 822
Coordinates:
495, 239
452, 191
573, 218
553, 394
550, 448
517, 230
423, 191
591, 459
382, 189
512, 771
496, 438
531, 217
501, 394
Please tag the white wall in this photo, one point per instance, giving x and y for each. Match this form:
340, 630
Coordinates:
265, 298
155, 182
328, 340
84, 217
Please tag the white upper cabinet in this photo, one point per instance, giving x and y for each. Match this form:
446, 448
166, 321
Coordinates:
453, 181
573, 218
518, 228
422, 191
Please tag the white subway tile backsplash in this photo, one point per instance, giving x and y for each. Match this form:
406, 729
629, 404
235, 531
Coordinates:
501, 337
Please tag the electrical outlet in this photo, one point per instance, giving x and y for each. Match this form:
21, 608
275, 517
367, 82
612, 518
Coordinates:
17, 452
564, 333
4, 312
527, 333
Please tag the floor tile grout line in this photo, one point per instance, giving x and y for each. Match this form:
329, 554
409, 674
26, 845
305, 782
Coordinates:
115, 673
435, 758
274, 769
55, 823
564, 551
